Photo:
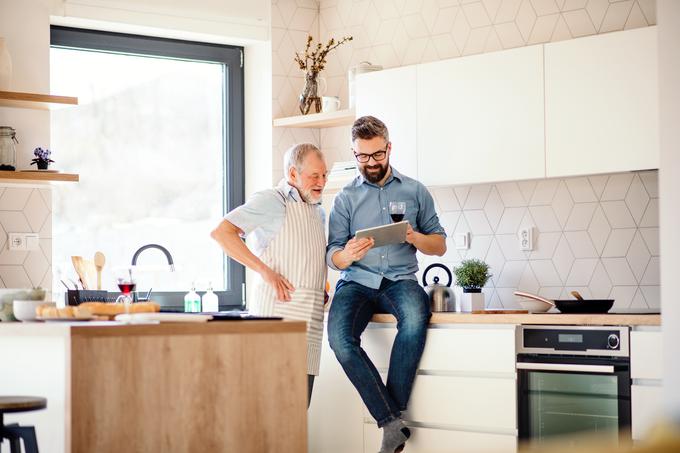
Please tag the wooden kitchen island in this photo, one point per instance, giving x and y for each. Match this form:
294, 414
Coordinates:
234, 386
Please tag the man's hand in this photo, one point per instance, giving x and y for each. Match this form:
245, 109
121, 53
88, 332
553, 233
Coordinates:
354, 250
429, 244
277, 281
411, 236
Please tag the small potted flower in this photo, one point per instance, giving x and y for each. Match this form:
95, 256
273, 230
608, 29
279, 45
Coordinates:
42, 158
472, 275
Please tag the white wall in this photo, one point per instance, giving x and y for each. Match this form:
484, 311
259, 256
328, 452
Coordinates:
227, 18
25, 26
669, 187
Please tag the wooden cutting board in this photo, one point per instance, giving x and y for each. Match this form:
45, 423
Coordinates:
501, 311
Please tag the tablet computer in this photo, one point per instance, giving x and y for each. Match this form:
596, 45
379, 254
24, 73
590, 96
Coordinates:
393, 233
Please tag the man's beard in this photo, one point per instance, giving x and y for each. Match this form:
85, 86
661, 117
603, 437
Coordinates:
308, 196
375, 176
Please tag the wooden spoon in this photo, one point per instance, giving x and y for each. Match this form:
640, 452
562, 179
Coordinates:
99, 261
534, 297
80, 270
576, 294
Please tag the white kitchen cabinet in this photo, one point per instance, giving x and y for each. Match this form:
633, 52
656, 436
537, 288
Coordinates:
482, 349
473, 402
646, 355
646, 408
646, 370
464, 393
480, 118
335, 416
432, 440
601, 103
390, 96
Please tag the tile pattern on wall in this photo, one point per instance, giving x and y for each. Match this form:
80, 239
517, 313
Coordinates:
292, 21
395, 33
598, 235
26, 210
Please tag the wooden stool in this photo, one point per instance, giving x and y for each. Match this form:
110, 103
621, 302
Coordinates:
14, 432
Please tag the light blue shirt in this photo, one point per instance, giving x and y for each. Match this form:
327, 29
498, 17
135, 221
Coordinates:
264, 214
362, 204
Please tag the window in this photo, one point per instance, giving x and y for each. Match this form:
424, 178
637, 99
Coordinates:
158, 142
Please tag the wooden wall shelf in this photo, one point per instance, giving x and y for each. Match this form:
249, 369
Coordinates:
318, 120
37, 177
34, 100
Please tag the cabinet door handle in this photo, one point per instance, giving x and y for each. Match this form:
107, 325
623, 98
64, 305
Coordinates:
603, 369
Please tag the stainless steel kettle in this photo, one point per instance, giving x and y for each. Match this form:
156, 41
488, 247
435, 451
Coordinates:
442, 297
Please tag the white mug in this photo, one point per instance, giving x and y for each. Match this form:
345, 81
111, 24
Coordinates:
330, 103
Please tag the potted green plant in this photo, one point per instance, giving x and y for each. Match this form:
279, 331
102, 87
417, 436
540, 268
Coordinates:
472, 275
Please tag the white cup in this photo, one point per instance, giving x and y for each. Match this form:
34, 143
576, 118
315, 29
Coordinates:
330, 103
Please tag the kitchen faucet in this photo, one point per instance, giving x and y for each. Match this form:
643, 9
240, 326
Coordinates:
154, 246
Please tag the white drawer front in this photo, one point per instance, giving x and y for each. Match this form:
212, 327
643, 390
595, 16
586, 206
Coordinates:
646, 407
473, 350
646, 358
429, 440
471, 402
467, 350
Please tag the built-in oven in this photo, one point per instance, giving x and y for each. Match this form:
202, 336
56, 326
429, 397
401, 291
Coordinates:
573, 379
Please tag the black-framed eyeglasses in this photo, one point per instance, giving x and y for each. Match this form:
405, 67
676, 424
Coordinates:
377, 156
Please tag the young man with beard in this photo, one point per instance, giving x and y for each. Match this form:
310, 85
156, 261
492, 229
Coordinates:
287, 225
380, 279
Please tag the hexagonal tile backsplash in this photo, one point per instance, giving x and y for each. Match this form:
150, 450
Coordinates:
598, 235
26, 210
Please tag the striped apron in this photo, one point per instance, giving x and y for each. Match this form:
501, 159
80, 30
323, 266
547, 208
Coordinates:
298, 253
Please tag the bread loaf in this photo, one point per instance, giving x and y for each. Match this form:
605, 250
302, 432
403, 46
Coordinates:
98, 310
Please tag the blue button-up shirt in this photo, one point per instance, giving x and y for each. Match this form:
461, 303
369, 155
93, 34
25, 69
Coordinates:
362, 204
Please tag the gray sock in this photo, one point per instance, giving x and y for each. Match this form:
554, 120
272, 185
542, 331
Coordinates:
395, 434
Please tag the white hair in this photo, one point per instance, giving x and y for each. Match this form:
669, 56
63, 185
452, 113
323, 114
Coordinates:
295, 156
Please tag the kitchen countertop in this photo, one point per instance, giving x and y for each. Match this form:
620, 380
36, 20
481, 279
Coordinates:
112, 328
612, 319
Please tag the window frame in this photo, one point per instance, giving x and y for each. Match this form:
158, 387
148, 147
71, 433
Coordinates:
233, 147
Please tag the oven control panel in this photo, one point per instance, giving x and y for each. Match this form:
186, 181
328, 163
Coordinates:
577, 340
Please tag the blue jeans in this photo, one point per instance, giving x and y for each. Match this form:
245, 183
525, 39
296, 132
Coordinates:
351, 311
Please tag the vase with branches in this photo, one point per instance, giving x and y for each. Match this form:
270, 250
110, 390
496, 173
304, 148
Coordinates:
313, 61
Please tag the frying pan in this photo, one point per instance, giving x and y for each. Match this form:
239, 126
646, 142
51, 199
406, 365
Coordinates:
574, 305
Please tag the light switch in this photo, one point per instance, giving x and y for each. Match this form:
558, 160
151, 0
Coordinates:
462, 241
32, 241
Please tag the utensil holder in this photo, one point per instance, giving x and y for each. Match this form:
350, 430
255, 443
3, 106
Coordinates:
78, 296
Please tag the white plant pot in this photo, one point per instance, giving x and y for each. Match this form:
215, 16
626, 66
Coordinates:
5, 66
472, 302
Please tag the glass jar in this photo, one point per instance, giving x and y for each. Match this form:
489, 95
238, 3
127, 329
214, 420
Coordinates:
8, 153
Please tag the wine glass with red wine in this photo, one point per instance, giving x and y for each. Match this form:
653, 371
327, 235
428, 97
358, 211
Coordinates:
397, 210
127, 285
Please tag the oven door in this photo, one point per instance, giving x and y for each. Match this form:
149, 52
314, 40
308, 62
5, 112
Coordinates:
560, 395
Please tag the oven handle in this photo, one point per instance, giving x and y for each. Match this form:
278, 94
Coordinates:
602, 369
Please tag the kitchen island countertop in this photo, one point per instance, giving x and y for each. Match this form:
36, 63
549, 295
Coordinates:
170, 387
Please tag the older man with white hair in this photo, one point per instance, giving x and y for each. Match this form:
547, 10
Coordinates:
289, 247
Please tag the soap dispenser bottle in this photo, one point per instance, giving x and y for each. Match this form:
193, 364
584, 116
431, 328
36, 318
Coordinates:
209, 301
192, 300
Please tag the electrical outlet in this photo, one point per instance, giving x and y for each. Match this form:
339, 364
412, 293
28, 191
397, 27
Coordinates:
19, 242
462, 241
526, 238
